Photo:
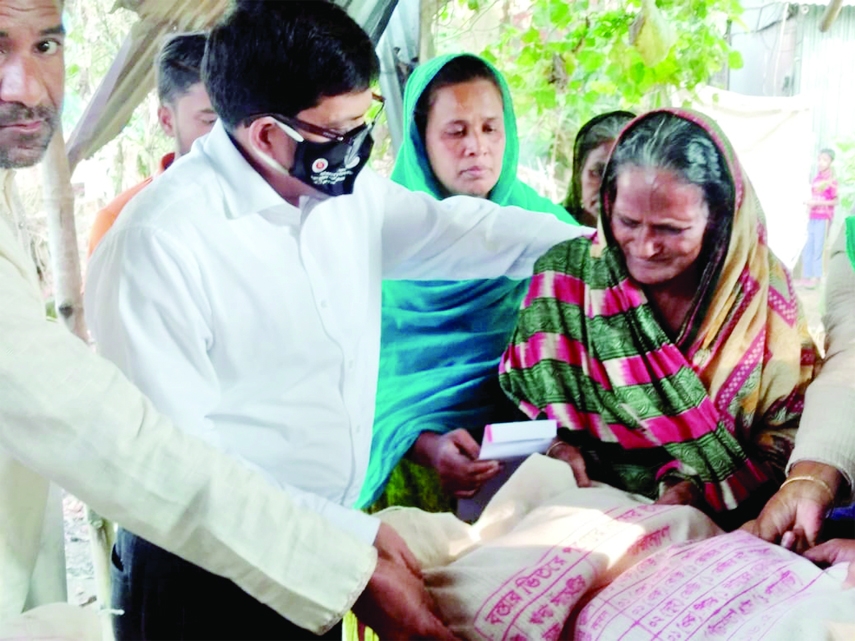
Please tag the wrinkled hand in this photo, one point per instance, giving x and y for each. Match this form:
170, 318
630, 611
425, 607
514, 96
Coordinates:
396, 605
834, 552
455, 458
794, 515
571, 455
682, 493
391, 547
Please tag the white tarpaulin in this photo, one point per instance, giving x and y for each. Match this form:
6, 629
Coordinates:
773, 138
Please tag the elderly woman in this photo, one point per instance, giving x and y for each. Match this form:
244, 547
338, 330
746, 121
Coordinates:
441, 341
670, 345
591, 150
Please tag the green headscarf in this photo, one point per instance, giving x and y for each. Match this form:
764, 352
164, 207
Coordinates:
850, 239
412, 167
441, 340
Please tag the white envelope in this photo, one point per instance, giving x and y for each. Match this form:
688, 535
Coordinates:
504, 441
511, 443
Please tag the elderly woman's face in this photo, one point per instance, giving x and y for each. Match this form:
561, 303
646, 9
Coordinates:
592, 177
659, 222
465, 137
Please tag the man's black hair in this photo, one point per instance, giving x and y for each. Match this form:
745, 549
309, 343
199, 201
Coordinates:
284, 57
179, 65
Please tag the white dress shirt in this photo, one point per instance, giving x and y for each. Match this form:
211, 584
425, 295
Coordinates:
255, 325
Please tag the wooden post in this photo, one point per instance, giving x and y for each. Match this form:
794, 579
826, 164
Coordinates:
58, 202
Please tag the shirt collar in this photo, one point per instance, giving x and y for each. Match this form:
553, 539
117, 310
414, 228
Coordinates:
245, 191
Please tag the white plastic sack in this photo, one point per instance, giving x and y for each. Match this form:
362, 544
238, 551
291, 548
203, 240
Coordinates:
540, 546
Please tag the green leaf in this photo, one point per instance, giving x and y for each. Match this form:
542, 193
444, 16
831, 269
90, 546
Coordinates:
528, 57
591, 60
531, 36
545, 99
637, 72
559, 14
734, 60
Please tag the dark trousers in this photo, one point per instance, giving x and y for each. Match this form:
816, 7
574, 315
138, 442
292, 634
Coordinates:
165, 597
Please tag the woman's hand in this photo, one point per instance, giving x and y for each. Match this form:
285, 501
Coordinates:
682, 493
834, 552
573, 457
455, 458
798, 508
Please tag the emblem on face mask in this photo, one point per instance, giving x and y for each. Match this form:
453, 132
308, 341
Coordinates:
320, 165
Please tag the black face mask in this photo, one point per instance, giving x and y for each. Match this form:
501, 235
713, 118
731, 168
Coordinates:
331, 167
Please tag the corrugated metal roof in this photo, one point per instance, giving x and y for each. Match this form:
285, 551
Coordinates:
824, 74
824, 3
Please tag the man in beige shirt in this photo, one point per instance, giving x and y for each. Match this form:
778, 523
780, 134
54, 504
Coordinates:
822, 465
70, 416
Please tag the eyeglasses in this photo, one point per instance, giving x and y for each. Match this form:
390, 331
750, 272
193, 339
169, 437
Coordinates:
353, 138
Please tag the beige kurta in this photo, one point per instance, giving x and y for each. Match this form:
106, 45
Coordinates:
32, 558
827, 428
72, 416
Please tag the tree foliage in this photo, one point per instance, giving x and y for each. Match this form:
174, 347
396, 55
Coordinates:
568, 60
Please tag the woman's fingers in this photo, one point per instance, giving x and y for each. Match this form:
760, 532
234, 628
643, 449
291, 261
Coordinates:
460, 474
465, 443
573, 457
832, 552
580, 471
485, 473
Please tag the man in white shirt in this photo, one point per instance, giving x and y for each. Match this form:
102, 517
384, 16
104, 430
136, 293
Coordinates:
68, 415
241, 290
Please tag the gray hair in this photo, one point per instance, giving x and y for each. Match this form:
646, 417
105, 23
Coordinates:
665, 140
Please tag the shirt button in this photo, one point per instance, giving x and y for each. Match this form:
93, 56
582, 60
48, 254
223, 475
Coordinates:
323, 304
350, 364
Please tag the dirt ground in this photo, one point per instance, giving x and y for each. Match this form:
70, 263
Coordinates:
81, 582
78, 557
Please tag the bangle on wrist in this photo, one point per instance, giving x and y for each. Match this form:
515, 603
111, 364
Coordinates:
810, 479
553, 446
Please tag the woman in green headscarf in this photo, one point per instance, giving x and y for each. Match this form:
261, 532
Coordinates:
441, 341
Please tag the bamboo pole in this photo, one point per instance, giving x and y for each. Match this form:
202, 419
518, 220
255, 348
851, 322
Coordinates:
58, 202
830, 15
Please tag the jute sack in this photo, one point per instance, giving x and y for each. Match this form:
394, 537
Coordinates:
540, 546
